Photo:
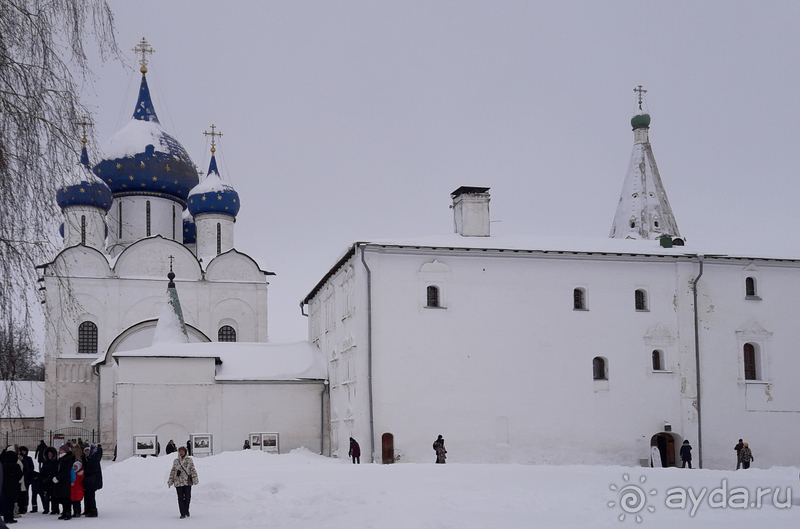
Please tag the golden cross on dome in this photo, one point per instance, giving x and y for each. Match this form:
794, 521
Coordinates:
641, 91
213, 135
86, 122
144, 48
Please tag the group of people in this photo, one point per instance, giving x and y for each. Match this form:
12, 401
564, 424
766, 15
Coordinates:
744, 456
60, 478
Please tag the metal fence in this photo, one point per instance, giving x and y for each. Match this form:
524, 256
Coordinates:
30, 437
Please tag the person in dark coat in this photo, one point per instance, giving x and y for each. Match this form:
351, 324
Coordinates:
246, 445
438, 447
355, 451
28, 471
62, 481
738, 449
686, 454
46, 481
171, 447
40, 450
9, 493
746, 456
92, 479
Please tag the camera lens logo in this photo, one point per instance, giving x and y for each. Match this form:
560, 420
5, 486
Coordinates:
632, 499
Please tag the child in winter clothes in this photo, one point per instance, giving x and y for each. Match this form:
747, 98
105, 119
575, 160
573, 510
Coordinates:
76, 489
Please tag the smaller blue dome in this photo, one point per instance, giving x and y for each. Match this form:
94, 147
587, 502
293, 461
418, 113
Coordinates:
88, 192
189, 231
212, 195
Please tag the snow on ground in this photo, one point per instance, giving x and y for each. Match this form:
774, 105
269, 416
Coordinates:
303, 490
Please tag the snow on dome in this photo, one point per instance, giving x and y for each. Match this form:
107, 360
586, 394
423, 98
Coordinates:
143, 158
84, 188
212, 195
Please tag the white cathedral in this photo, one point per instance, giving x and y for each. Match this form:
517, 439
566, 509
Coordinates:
533, 350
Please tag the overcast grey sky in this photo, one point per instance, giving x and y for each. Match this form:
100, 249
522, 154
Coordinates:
345, 121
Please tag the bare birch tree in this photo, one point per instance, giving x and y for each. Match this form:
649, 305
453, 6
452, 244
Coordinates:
44, 67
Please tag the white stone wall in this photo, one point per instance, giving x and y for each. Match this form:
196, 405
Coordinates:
166, 219
504, 371
84, 225
207, 235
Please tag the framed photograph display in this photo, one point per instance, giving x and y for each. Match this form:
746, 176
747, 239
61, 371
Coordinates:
270, 442
255, 441
201, 443
145, 445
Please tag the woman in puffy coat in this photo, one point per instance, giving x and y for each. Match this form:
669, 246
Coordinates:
183, 475
46, 483
62, 482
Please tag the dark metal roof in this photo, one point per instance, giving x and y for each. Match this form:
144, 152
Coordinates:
463, 190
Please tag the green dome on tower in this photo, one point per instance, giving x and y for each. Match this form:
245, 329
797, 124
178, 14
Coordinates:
640, 121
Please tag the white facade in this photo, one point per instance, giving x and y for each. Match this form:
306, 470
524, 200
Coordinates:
501, 362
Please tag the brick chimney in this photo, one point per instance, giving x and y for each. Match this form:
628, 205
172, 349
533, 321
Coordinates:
471, 211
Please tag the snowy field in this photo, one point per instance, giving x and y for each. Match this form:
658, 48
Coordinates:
304, 490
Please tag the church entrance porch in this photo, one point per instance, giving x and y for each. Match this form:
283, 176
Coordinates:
666, 443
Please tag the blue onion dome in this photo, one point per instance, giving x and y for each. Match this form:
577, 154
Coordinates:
213, 195
189, 229
85, 189
143, 159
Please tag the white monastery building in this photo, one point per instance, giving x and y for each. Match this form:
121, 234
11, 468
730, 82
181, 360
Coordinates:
553, 350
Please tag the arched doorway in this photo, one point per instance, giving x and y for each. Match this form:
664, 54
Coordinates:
665, 442
387, 449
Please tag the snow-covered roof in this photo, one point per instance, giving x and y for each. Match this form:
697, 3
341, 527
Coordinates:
24, 399
247, 361
544, 245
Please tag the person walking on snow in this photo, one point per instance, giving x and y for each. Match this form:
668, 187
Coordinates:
355, 451
738, 449
183, 475
438, 447
686, 454
747, 456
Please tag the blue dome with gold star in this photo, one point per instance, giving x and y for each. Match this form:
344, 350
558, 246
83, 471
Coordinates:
88, 191
213, 195
143, 159
189, 229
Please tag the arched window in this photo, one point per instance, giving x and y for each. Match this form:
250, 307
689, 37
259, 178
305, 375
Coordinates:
657, 361
78, 413
148, 218
599, 371
750, 368
433, 296
83, 230
579, 299
750, 287
219, 239
87, 338
640, 299
173, 222
226, 333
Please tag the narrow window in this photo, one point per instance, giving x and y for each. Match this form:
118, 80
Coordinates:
87, 338
657, 366
219, 239
750, 287
750, 372
433, 296
226, 333
173, 222
599, 368
148, 218
120, 220
640, 299
78, 413
579, 299
83, 230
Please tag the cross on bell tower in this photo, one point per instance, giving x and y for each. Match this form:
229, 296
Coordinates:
641, 91
144, 48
